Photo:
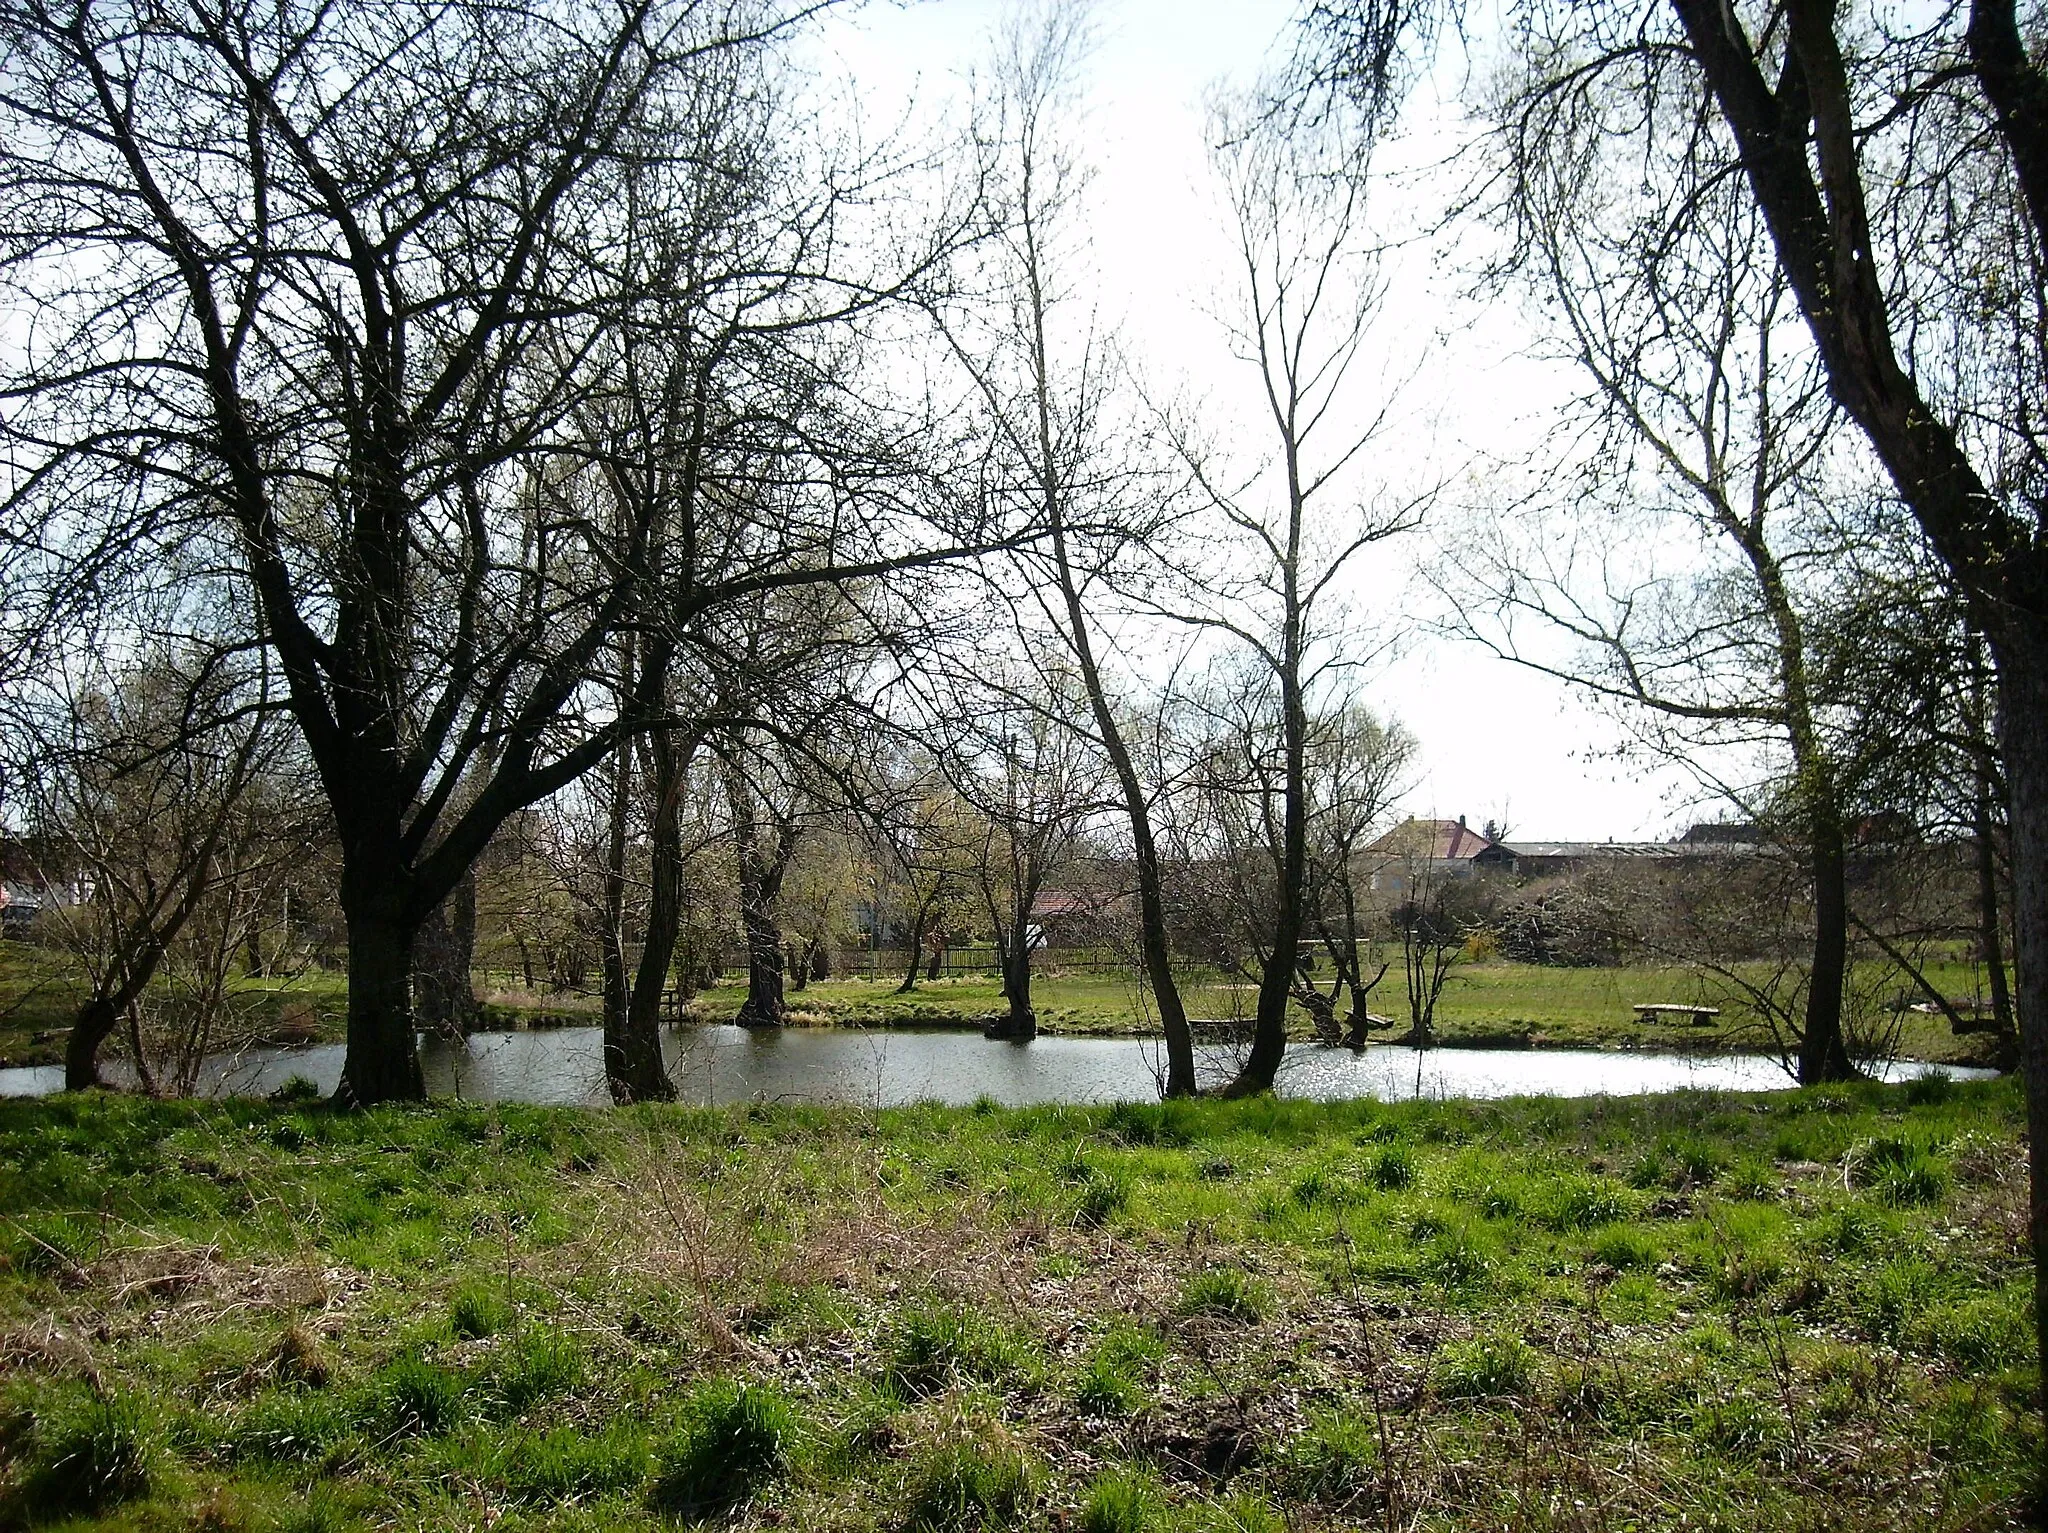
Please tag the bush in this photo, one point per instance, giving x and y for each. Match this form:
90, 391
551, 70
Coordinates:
939, 1345
91, 1458
1486, 1367
1335, 1460
1112, 1382
1393, 1169
536, 1366
1226, 1292
413, 1398
571, 1461
1119, 1502
969, 1483
733, 1439
286, 1426
475, 1312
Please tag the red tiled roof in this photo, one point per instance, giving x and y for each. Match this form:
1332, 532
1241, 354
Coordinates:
1441, 840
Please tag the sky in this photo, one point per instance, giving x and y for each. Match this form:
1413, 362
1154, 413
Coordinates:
1497, 741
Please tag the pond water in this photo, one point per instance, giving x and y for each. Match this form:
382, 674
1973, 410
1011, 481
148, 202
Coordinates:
714, 1064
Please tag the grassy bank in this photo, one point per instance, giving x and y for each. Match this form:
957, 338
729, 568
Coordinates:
1797, 1311
1490, 1004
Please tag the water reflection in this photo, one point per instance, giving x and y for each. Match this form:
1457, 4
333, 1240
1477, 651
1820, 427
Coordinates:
711, 1065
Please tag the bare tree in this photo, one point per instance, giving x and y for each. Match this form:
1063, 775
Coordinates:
1032, 782
1310, 285
1710, 443
1048, 382
141, 786
1903, 178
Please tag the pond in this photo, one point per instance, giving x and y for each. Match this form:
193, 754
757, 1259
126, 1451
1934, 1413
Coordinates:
714, 1064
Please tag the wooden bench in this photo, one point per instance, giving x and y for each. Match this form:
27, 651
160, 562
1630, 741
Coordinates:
1700, 1016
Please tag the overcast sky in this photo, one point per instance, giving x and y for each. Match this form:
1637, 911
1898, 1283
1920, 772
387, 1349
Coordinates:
1497, 740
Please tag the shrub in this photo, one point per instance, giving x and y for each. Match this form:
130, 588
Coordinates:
1335, 1460
296, 1089
1583, 1203
94, 1457
1624, 1250
286, 1426
967, 1483
54, 1245
1119, 1502
1486, 1367
1112, 1382
414, 1398
1393, 1169
732, 1440
1898, 1172
939, 1345
1226, 1292
571, 1461
536, 1366
475, 1312
1104, 1195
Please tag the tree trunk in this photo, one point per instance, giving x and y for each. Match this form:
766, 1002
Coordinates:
1020, 1020
90, 1028
1990, 901
383, 1063
633, 1066
2023, 731
1822, 1054
444, 993
916, 954
764, 1006
611, 937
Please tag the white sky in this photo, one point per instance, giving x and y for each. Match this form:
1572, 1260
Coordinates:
1497, 740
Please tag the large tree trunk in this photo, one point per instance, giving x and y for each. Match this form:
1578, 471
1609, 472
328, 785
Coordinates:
764, 1005
1020, 1019
1154, 948
90, 1028
444, 993
383, 1063
2023, 729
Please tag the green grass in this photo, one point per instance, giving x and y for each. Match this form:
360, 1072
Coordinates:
1666, 1312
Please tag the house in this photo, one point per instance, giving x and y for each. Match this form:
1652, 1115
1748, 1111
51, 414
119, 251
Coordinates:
1416, 851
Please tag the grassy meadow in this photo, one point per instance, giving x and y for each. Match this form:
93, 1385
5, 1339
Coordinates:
1806, 1310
